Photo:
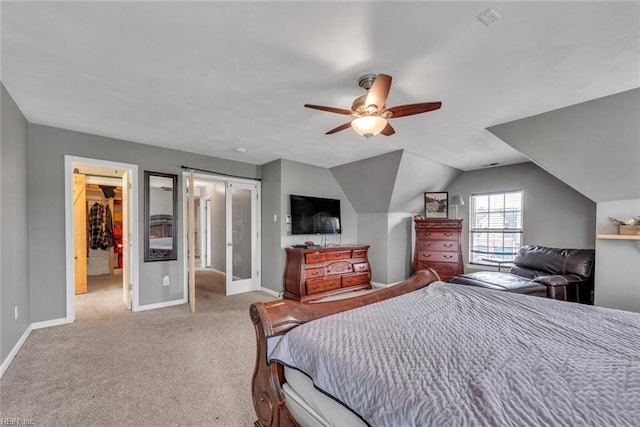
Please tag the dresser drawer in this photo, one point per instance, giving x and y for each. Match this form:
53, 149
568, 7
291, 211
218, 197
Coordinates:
444, 270
314, 273
314, 258
435, 256
355, 279
437, 245
437, 235
322, 285
360, 266
359, 253
455, 225
330, 256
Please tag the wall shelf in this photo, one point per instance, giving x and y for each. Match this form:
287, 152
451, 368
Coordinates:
618, 236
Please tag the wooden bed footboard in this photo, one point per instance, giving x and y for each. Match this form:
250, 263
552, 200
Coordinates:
279, 317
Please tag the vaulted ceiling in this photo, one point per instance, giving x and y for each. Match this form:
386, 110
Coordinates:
212, 77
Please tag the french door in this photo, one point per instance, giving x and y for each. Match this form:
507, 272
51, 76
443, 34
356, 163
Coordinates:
242, 237
229, 231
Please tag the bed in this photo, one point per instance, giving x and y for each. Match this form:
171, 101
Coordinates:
161, 242
425, 352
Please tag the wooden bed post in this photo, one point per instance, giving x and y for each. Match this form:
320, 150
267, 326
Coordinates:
268, 400
280, 316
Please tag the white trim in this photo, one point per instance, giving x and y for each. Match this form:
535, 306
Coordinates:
50, 323
14, 351
69, 164
377, 285
161, 304
271, 292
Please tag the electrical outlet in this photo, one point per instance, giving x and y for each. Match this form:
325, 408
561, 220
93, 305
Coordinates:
165, 281
16, 312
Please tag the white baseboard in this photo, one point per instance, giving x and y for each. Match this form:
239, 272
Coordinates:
161, 305
271, 292
50, 323
383, 285
6, 362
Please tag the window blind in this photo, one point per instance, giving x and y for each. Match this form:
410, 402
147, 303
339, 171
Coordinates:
495, 226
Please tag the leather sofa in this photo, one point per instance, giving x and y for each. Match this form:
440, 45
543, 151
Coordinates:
564, 274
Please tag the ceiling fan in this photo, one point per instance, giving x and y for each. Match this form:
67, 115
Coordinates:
369, 110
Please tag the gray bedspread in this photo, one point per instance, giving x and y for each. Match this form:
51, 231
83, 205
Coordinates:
454, 355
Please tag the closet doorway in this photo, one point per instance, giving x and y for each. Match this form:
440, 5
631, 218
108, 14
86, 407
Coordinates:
225, 217
101, 212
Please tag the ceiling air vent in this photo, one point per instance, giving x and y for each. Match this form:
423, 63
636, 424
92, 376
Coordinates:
488, 17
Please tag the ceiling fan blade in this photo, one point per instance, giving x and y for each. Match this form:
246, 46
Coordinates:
330, 109
339, 128
379, 91
411, 109
388, 130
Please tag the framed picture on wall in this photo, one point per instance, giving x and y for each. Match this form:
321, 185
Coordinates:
436, 205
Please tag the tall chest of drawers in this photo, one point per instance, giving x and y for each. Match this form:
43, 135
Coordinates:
438, 246
312, 274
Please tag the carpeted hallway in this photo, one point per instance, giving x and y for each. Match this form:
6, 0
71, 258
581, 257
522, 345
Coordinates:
158, 367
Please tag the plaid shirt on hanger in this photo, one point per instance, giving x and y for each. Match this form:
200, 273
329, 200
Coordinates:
96, 227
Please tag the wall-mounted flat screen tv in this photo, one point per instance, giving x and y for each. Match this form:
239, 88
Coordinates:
314, 215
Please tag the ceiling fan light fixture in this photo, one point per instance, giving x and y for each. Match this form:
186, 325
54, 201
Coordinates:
368, 126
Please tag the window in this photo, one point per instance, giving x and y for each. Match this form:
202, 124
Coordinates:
495, 226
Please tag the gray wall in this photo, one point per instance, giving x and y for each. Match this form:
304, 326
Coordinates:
280, 179
15, 289
617, 280
308, 180
273, 258
47, 148
594, 146
387, 190
554, 215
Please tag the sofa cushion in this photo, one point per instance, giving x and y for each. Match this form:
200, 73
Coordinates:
556, 261
558, 280
501, 281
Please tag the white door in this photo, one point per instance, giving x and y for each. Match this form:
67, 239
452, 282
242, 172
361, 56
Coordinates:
242, 233
127, 281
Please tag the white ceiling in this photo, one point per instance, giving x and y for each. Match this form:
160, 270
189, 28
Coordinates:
208, 77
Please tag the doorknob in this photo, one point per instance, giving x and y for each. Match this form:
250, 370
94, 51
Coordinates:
229, 243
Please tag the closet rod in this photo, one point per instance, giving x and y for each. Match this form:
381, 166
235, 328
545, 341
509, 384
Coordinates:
220, 173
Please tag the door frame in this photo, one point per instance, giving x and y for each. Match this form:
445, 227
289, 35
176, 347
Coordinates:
224, 179
70, 162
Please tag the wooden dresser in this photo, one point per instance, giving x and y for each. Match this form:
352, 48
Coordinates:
438, 246
312, 274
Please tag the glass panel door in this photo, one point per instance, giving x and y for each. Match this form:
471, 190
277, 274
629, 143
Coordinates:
242, 238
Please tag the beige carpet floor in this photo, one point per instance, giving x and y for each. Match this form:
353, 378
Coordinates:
152, 368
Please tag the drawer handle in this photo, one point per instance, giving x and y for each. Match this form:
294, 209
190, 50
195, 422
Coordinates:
361, 267
315, 273
448, 234
448, 245
315, 287
427, 255
448, 256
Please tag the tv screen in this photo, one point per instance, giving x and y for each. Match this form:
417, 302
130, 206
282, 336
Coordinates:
314, 215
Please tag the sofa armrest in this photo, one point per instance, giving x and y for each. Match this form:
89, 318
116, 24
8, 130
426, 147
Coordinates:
558, 279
